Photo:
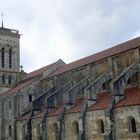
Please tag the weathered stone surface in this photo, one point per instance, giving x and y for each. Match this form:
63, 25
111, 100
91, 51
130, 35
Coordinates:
21, 113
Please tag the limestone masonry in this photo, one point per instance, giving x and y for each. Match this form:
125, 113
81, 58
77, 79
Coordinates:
94, 98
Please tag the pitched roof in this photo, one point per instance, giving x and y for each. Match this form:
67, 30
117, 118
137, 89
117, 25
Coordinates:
24, 117
57, 110
131, 44
17, 88
77, 107
102, 102
131, 97
28, 79
36, 72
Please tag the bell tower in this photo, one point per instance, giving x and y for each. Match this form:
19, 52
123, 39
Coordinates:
9, 58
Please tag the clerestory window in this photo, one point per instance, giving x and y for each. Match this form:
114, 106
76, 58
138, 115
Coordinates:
30, 98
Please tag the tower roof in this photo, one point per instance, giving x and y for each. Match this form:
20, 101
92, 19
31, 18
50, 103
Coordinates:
10, 32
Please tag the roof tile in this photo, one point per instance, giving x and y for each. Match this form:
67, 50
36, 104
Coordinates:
131, 44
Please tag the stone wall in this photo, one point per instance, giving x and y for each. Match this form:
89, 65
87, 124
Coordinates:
92, 125
118, 63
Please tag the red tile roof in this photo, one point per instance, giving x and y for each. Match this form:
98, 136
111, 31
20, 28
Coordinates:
131, 44
36, 72
132, 97
58, 109
77, 107
24, 117
28, 79
17, 88
102, 102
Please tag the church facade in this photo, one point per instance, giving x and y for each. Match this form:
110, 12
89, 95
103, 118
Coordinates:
94, 98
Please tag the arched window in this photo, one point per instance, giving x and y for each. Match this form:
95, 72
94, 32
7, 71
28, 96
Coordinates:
101, 127
30, 98
10, 130
3, 79
9, 80
24, 131
2, 58
76, 128
10, 58
132, 125
55, 129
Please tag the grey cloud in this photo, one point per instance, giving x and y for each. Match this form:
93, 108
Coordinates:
56, 29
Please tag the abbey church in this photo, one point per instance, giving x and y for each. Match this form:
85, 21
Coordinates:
94, 98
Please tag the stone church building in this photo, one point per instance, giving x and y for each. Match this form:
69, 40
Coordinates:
94, 98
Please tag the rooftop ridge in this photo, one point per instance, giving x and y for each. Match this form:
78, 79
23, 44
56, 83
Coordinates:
117, 49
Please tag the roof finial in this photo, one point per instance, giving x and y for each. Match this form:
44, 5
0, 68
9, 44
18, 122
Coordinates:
2, 15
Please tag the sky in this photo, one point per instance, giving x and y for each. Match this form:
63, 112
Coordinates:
69, 29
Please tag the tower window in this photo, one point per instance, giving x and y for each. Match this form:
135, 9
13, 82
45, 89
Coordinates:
132, 125
3, 79
9, 80
2, 58
10, 58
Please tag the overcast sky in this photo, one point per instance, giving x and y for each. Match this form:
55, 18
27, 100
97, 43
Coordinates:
69, 29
